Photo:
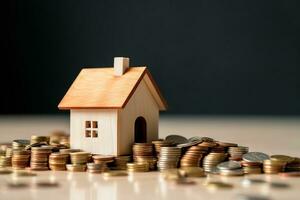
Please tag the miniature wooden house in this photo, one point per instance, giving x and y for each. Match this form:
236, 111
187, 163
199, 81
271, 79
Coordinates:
111, 108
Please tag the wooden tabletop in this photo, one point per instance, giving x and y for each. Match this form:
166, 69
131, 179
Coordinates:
269, 135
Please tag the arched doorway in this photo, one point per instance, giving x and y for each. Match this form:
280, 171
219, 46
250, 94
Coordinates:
140, 130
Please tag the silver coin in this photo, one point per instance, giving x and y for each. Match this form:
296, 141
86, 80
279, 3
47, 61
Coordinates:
176, 139
196, 138
229, 165
255, 157
232, 172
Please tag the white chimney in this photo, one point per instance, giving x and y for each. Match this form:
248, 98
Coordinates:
120, 65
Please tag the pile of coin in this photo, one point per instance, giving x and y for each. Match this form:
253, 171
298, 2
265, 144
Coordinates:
40, 157
103, 160
236, 153
212, 160
193, 155
120, 162
58, 161
137, 167
230, 168
144, 153
20, 159
252, 162
160, 143
5, 161
168, 158
9, 152
76, 167
20, 144
96, 167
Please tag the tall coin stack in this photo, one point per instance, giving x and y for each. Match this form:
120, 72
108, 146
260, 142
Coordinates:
120, 162
39, 158
236, 153
20, 159
168, 158
143, 153
192, 157
212, 160
58, 161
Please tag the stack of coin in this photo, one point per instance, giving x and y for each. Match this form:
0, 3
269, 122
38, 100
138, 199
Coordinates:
20, 159
96, 167
144, 153
168, 158
293, 166
5, 161
160, 143
39, 139
20, 144
104, 160
230, 168
192, 157
120, 162
236, 153
76, 167
39, 158
3, 148
212, 160
58, 161
137, 167
252, 162
273, 166
9, 152
79, 157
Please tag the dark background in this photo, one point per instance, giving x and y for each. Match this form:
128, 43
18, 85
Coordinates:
208, 57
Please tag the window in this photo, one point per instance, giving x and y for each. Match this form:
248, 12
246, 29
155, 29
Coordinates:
91, 129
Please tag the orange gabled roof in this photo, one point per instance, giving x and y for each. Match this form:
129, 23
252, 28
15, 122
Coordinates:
99, 88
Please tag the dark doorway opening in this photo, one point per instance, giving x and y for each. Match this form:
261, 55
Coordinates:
140, 130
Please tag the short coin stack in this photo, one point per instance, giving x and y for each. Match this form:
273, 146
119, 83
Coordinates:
293, 166
236, 153
58, 161
273, 166
212, 160
103, 160
160, 143
20, 159
168, 158
39, 158
120, 162
95, 168
5, 161
137, 167
230, 168
20, 144
192, 157
144, 153
39, 139
252, 162
78, 160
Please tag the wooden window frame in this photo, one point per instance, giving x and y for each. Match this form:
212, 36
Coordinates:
91, 129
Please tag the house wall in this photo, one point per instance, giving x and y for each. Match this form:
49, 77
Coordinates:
106, 141
142, 104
